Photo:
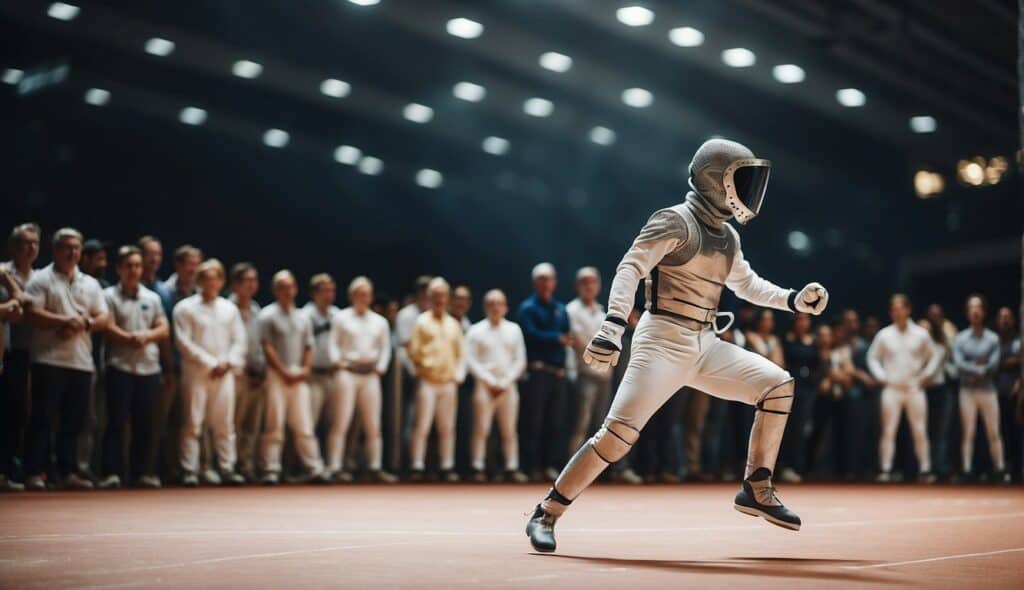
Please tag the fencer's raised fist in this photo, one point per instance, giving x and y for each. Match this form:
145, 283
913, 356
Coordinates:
811, 299
603, 351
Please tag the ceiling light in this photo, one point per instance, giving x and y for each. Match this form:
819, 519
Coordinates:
995, 169
159, 47
62, 11
335, 88
192, 116
538, 107
686, 37
637, 97
97, 96
12, 76
418, 113
556, 62
739, 57
971, 172
365, 2
276, 138
469, 91
923, 124
798, 241
789, 73
348, 155
851, 97
635, 16
928, 184
428, 178
370, 165
602, 135
464, 28
496, 146
246, 69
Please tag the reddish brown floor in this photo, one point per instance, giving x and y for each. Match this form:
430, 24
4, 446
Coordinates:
444, 536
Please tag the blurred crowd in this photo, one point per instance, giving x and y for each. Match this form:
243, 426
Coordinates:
117, 377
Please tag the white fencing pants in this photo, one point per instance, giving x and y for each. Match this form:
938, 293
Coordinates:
974, 401
894, 402
354, 392
591, 396
211, 401
248, 421
322, 387
289, 403
487, 407
436, 403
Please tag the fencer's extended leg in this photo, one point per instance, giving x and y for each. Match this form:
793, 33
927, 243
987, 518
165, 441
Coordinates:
611, 443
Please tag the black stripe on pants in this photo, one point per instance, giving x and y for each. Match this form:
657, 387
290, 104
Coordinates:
56, 391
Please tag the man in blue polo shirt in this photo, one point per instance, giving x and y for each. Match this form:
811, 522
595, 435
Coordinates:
545, 325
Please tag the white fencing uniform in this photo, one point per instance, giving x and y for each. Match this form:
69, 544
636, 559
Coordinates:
496, 357
363, 343
592, 389
208, 333
902, 359
976, 357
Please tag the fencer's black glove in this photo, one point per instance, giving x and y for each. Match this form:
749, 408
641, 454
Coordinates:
811, 299
603, 351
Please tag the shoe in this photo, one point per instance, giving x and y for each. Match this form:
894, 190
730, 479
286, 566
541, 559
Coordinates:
417, 476
6, 485
627, 475
550, 474
516, 476
926, 477
450, 476
883, 477
1000, 477
667, 477
478, 477
541, 530
789, 475
211, 478
35, 483
231, 478
342, 477
189, 480
76, 482
271, 478
757, 498
151, 482
321, 477
110, 482
380, 476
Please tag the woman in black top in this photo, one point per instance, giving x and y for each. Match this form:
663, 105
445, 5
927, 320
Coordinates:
802, 359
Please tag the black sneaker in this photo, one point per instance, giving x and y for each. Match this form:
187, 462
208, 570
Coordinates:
757, 498
541, 530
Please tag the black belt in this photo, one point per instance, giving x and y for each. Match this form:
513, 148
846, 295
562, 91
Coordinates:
322, 370
547, 368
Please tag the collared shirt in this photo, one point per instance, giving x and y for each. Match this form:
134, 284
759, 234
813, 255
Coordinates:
289, 333
134, 313
496, 354
543, 324
19, 336
405, 322
171, 293
436, 347
976, 357
362, 339
255, 360
209, 333
901, 358
325, 353
584, 323
66, 295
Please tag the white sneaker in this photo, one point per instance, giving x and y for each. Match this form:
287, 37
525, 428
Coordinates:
35, 483
789, 475
150, 481
110, 482
629, 476
211, 478
271, 478
6, 485
77, 482
189, 480
884, 477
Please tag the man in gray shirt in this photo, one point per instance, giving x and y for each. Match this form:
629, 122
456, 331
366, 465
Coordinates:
976, 356
245, 283
287, 336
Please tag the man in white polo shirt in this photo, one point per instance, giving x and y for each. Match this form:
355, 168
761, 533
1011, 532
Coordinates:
211, 339
287, 336
137, 326
67, 307
364, 351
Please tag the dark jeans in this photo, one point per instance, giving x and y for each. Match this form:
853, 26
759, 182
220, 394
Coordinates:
1011, 431
542, 421
464, 424
56, 391
657, 444
793, 453
941, 402
130, 397
14, 405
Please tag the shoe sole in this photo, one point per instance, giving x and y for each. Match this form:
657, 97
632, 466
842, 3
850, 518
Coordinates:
768, 517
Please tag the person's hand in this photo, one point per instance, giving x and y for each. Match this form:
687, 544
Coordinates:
812, 299
74, 324
495, 390
297, 376
603, 351
220, 370
138, 340
924, 382
566, 339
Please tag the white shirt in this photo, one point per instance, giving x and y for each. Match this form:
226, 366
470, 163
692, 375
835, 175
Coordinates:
405, 323
902, 358
584, 323
325, 354
20, 335
65, 295
255, 361
289, 333
209, 333
362, 339
496, 355
134, 314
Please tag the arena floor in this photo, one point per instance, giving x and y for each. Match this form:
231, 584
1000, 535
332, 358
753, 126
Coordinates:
438, 536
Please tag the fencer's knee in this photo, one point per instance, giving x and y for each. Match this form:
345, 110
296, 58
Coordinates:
614, 440
777, 399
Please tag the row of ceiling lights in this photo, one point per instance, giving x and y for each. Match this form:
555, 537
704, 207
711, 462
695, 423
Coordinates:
974, 172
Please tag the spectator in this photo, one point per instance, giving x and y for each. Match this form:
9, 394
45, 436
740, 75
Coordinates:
496, 357
871, 327
462, 300
592, 390
364, 352
901, 359
940, 397
762, 339
1009, 372
211, 339
801, 353
324, 385
863, 402
936, 314
182, 283
137, 325
250, 388
14, 382
94, 261
152, 258
836, 383
545, 325
436, 351
287, 336
67, 306
405, 321
976, 356
94, 264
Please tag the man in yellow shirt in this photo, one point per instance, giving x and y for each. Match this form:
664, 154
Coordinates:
436, 350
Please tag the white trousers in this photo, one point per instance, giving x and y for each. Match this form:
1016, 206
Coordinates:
210, 401
974, 401
322, 387
248, 421
914, 402
289, 403
486, 408
436, 404
354, 392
